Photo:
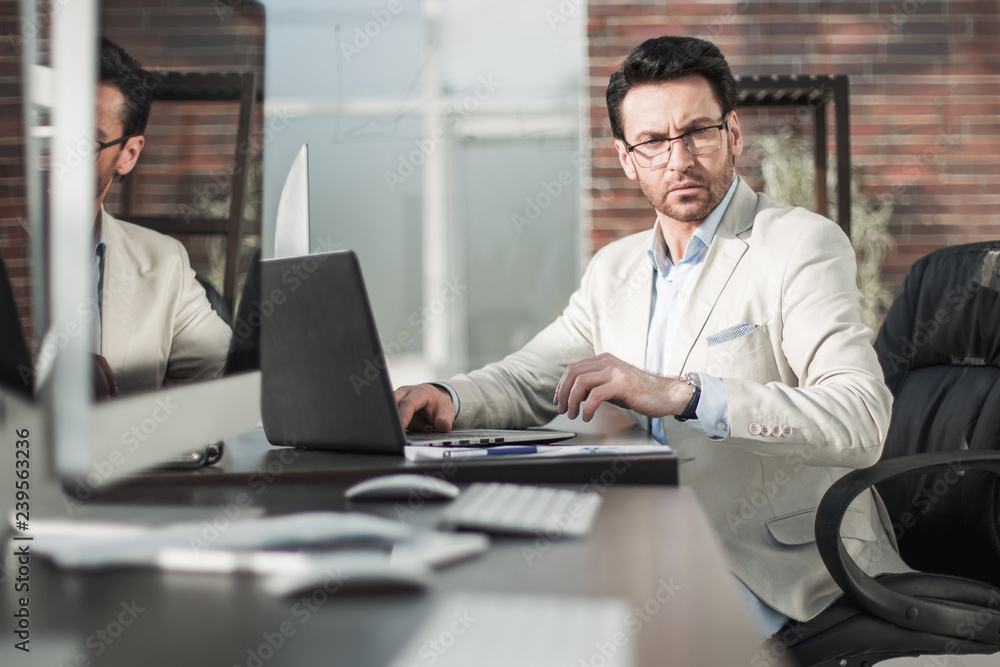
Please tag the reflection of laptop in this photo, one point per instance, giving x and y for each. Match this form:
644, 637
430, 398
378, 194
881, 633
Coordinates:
325, 383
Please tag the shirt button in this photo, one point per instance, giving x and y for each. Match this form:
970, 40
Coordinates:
721, 426
682, 294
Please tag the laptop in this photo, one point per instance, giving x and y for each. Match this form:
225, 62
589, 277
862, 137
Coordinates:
325, 383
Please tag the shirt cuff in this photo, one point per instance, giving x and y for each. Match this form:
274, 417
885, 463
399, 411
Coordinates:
454, 396
713, 408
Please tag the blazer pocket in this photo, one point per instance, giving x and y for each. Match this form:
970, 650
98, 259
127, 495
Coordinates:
799, 527
747, 357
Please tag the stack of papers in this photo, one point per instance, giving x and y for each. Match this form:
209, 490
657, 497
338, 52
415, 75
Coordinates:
533, 451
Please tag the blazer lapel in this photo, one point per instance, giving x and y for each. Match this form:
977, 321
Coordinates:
116, 306
723, 256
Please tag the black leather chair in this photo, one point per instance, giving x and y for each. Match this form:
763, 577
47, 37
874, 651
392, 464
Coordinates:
940, 350
16, 370
215, 299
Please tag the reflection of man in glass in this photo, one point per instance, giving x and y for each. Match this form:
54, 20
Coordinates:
155, 321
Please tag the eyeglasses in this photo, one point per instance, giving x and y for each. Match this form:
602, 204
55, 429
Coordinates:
101, 145
700, 141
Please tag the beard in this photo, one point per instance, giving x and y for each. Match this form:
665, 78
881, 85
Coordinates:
103, 181
104, 178
696, 206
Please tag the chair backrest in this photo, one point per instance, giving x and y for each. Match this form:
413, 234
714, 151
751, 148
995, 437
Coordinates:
215, 299
244, 350
940, 351
16, 371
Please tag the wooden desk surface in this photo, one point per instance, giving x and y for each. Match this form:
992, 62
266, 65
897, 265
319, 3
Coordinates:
650, 547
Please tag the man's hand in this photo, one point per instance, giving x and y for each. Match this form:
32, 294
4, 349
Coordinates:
425, 406
105, 382
606, 378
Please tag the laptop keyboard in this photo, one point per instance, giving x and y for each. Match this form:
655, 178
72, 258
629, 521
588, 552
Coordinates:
518, 509
479, 437
456, 438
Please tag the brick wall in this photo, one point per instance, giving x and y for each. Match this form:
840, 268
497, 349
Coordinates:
186, 163
925, 102
13, 237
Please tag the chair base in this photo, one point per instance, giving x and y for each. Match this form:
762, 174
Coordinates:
844, 635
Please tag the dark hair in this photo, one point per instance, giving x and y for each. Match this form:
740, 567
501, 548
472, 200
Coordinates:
665, 59
122, 71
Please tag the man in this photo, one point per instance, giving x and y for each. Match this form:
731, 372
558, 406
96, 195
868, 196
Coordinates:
154, 322
732, 330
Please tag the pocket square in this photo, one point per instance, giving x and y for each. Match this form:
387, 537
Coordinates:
730, 333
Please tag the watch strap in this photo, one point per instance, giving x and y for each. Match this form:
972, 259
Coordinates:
690, 412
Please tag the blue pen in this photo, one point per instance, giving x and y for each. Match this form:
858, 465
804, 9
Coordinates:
492, 451
500, 451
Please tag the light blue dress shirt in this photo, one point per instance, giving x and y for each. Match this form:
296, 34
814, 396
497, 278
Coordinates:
672, 286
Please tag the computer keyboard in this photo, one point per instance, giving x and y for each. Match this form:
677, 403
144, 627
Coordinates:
519, 509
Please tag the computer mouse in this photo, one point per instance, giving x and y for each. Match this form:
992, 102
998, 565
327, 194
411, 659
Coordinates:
403, 487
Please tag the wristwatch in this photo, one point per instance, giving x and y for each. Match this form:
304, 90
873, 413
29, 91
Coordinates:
690, 412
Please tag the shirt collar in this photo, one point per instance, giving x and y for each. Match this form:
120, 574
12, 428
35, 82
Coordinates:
702, 237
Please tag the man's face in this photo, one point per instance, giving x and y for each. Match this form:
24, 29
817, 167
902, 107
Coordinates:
687, 187
118, 159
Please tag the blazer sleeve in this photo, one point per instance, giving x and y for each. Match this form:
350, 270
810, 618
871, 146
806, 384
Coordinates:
200, 342
834, 397
517, 391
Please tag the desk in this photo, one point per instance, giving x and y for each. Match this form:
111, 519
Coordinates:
643, 536
647, 538
250, 455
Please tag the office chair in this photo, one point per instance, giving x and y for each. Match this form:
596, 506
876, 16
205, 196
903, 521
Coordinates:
16, 369
244, 350
940, 351
215, 299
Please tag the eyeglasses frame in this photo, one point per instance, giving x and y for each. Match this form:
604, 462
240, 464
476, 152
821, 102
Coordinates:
101, 145
724, 125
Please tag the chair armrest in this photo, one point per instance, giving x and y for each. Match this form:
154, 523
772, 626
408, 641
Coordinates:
915, 613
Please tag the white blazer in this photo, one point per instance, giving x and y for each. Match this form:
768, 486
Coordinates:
157, 323
807, 363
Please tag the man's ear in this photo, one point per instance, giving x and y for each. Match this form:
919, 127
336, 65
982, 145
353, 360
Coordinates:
625, 159
129, 155
735, 133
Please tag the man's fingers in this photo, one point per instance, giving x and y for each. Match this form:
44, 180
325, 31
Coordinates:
105, 382
405, 413
582, 387
442, 419
597, 395
405, 404
425, 406
568, 382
